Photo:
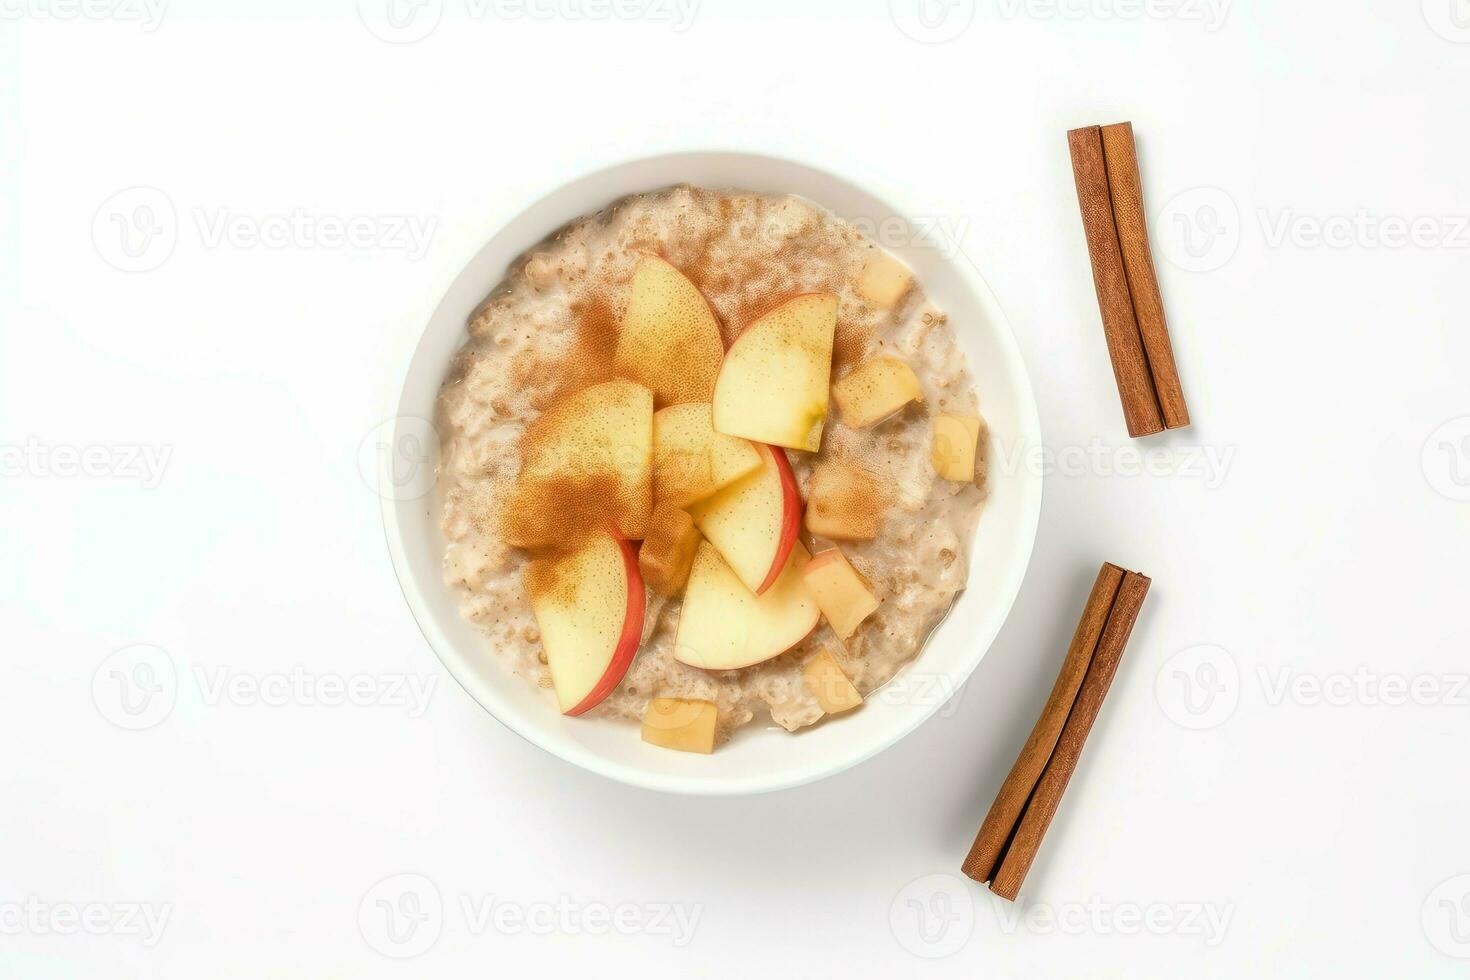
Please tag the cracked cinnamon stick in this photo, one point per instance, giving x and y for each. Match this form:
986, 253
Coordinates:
1126, 188
1021, 851
984, 857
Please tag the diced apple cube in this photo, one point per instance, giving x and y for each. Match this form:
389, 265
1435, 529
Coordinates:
841, 593
668, 551
682, 724
875, 389
884, 280
953, 448
846, 500
829, 685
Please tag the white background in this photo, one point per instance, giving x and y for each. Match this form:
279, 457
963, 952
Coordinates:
1309, 529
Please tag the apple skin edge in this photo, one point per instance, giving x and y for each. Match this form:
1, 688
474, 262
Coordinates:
628, 640
790, 517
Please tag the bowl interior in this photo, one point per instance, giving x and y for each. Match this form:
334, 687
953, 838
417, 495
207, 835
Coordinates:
759, 758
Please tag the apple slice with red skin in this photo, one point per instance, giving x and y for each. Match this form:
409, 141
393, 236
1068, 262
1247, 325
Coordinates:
790, 516
753, 522
589, 608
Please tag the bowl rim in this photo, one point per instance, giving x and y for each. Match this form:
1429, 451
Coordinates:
579, 755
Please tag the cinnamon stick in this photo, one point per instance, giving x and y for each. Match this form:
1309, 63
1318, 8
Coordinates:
984, 857
1042, 806
1126, 188
1110, 279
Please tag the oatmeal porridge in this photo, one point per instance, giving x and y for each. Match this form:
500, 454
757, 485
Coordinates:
708, 456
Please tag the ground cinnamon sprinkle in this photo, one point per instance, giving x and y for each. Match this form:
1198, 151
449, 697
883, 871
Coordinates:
590, 357
572, 481
849, 345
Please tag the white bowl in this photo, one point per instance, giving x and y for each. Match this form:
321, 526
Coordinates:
757, 759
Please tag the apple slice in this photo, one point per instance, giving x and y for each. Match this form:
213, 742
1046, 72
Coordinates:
668, 551
586, 462
589, 607
884, 280
846, 500
690, 459
682, 724
723, 626
829, 684
842, 594
774, 383
753, 521
669, 339
874, 390
953, 448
